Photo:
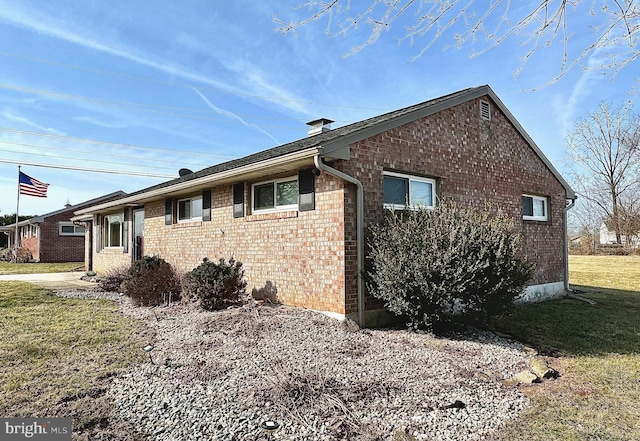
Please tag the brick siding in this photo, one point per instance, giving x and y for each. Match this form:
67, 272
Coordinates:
310, 256
474, 161
300, 253
57, 248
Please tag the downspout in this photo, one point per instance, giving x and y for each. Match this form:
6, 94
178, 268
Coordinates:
565, 241
359, 226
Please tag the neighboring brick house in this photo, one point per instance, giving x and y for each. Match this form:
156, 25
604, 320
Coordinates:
53, 237
295, 214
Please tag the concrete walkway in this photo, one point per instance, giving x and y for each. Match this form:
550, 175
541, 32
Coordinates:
68, 280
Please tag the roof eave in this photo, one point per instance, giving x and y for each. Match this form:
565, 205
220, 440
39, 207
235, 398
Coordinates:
270, 166
570, 194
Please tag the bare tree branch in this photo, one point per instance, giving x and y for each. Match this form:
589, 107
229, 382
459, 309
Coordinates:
615, 29
604, 149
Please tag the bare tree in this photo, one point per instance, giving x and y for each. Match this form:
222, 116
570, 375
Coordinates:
584, 221
604, 151
614, 24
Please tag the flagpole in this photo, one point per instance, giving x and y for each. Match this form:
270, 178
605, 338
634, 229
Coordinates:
15, 245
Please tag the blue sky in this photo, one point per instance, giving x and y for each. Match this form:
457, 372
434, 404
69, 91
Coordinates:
151, 87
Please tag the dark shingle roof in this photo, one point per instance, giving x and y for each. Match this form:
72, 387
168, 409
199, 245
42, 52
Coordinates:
307, 142
333, 140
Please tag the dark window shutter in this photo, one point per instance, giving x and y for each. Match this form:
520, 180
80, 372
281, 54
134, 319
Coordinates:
238, 199
306, 190
168, 211
98, 227
206, 205
527, 206
125, 232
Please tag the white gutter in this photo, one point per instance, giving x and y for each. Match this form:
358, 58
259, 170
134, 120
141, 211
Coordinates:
565, 242
204, 180
359, 226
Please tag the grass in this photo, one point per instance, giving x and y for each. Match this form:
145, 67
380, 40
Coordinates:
35, 268
57, 354
597, 350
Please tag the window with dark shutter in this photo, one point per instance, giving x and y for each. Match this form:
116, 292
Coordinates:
306, 190
168, 211
206, 206
238, 200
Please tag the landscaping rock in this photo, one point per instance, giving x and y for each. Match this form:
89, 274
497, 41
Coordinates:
231, 370
540, 367
526, 377
402, 435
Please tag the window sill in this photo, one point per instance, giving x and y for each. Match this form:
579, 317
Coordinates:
187, 224
112, 250
271, 216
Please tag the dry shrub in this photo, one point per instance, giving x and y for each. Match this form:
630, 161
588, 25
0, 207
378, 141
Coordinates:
113, 278
24, 255
152, 281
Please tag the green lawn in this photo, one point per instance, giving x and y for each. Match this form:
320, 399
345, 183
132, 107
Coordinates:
57, 354
34, 268
595, 347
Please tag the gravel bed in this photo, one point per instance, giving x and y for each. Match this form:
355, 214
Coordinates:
219, 375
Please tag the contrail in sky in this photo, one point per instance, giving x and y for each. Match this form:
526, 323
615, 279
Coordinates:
233, 115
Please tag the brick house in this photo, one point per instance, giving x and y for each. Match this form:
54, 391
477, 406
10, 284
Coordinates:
295, 214
53, 237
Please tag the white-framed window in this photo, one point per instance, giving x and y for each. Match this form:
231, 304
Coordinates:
535, 207
190, 209
70, 229
403, 191
277, 195
112, 227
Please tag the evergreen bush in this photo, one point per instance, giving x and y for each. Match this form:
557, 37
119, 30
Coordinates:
214, 286
430, 266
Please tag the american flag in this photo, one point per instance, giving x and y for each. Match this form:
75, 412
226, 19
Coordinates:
32, 187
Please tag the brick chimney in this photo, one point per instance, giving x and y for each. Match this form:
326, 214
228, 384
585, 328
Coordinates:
319, 126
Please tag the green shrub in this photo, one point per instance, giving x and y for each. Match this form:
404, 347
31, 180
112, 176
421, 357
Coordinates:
430, 266
113, 278
152, 281
214, 286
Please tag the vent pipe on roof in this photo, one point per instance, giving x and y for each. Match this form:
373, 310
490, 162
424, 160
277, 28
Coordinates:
319, 126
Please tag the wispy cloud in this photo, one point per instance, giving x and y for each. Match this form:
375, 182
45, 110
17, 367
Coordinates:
49, 27
255, 81
569, 108
233, 115
8, 115
100, 123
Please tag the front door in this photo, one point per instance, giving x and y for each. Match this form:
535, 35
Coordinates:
138, 237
